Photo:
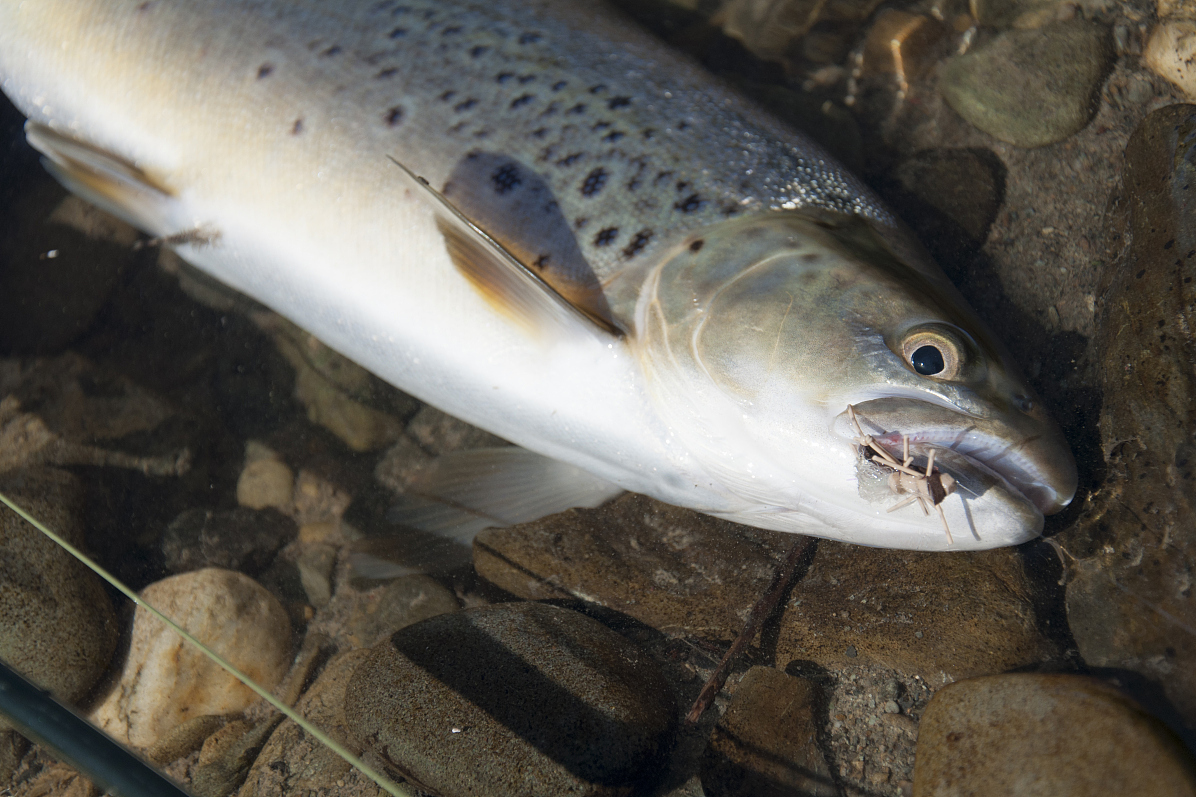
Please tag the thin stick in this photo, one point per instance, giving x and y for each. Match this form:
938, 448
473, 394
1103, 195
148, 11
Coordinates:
781, 580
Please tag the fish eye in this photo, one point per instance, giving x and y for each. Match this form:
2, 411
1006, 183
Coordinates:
933, 352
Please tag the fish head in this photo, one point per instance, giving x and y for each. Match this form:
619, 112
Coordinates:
796, 355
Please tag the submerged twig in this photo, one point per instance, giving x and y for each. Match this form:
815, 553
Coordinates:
781, 580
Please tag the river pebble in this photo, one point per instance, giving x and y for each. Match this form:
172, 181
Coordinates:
1171, 53
165, 682
515, 699
767, 742
1130, 591
57, 627
1030, 87
236, 539
1038, 735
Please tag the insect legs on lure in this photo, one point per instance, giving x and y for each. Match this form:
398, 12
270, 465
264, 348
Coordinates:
928, 487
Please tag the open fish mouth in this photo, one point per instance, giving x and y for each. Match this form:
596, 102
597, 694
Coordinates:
1033, 463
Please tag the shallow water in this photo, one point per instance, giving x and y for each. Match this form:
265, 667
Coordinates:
1027, 249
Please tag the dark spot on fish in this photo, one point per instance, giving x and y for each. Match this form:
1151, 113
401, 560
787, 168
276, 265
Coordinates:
683, 125
465, 104
522, 100
606, 237
571, 159
662, 176
1140, 274
398, 33
393, 116
448, 95
600, 125
431, 12
331, 51
598, 88
682, 185
618, 102
529, 38
638, 242
479, 51
540, 132
689, 204
560, 84
144, 7
457, 128
697, 245
451, 30
525, 79
503, 77
580, 221
482, 132
542, 261
264, 70
579, 108
615, 136
552, 108
390, 71
1169, 244
730, 210
297, 128
506, 179
594, 182
648, 134
810, 257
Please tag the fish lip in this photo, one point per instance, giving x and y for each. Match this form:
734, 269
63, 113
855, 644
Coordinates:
1020, 463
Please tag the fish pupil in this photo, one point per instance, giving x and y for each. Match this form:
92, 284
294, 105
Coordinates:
927, 360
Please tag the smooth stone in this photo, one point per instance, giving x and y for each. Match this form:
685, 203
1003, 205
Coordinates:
400, 603
266, 483
315, 563
766, 744
1030, 87
513, 699
690, 574
237, 539
166, 682
293, 763
57, 627
1130, 598
1171, 53
1039, 735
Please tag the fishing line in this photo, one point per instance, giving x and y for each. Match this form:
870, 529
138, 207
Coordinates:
383, 782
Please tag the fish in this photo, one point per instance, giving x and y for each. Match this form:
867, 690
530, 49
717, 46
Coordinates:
538, 218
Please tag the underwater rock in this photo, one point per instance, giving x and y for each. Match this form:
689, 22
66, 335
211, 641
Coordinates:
292, 763
57, 627
398, 604
935, 615
514, 699
265, 481
766, 744
1052, 735
1130, 599
1015, 13
1030, 87
165, 681
236, 539
1171, 53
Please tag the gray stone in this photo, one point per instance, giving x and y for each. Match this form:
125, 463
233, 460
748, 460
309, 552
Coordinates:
514, 699
1030, 87
1037, 735
57, 627
1130, 599
398, 604
238, 539
766, 744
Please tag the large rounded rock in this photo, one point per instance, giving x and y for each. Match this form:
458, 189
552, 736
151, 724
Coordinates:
166, 682
1051, 735
513, 699
56, 623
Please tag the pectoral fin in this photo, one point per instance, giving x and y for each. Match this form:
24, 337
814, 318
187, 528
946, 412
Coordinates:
506, 283
108, 181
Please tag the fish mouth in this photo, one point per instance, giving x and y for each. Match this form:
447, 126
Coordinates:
1029, 456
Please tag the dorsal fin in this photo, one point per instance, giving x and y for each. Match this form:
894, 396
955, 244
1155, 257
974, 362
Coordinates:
500, 277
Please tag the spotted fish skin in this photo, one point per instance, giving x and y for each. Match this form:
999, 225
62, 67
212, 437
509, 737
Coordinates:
609, 165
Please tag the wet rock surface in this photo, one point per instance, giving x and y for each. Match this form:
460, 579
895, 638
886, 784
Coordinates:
1017, 734
1030, 87
519, 698
1130, 598
766, 743
57, 627
165, 682
239, 539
